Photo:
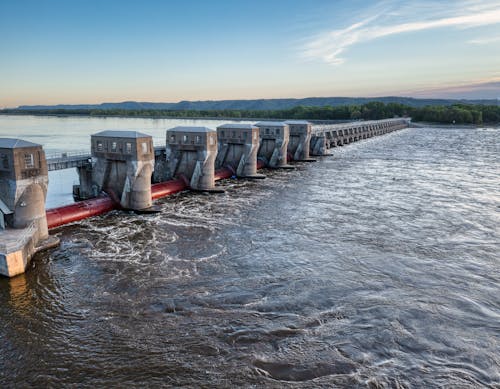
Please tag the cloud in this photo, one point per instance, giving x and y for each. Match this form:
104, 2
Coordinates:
484, 41
487, 89
330, 46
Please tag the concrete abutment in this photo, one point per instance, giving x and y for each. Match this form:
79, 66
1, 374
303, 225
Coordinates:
23, 192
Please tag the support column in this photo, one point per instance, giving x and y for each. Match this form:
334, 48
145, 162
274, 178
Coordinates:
238, 145
122, 166
191, 153
300, 140
318, 144
23, 192
274, 138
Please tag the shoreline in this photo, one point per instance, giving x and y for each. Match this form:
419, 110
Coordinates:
446, 125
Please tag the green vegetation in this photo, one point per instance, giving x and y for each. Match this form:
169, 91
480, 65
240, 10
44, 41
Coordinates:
457, 113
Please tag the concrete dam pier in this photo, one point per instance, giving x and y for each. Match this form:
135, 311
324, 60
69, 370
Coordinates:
274, 138
123, 163
238, 148
123, 170
23, 191
190, 154
299, 145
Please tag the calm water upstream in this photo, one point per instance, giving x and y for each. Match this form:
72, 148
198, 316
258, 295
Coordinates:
378, 266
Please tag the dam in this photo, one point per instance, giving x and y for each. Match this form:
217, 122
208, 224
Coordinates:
124, 170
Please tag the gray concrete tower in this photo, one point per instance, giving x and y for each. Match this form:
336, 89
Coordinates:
122, 166
274, 137
23, 185
190, 153
238, 145
300, 139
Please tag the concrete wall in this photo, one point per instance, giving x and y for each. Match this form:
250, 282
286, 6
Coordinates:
334, 135
274, 138
23, 188
191, 153
122, 166
300, 140
238, 146
15, 262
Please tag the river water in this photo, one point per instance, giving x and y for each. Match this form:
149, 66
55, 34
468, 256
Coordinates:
376, 267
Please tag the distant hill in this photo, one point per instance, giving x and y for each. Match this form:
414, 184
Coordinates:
259, 104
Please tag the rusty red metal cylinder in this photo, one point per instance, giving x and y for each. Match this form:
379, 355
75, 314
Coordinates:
167, 188
80, 210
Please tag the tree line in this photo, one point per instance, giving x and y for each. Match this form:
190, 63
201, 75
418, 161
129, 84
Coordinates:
453, 114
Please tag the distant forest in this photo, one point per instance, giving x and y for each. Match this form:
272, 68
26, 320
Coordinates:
456, 113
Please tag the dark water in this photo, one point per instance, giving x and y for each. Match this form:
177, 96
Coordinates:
378, 267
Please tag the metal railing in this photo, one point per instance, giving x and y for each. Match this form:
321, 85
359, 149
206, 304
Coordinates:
67, 160
319, 129
68, 155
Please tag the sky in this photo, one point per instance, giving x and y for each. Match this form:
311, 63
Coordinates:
71, 52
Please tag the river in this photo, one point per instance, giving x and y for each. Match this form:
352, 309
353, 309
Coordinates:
376, 267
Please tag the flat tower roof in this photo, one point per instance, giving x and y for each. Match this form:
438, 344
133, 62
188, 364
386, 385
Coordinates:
122, 134
297, 122
12, 143
270, 123
191, 129
243, 126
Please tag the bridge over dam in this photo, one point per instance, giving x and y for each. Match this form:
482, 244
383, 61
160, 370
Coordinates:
124, 170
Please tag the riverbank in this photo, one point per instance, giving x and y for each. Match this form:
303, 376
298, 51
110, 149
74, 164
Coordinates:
451, 125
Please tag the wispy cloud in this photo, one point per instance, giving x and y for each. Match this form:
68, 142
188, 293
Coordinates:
480, 89
484, 41
331, 45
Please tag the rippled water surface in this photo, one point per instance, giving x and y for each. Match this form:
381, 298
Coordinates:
378, 266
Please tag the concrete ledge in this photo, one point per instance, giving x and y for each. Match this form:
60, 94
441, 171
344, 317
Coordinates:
17, 247
13, 264
16, 252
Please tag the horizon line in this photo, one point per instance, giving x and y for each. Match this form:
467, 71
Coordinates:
256, 99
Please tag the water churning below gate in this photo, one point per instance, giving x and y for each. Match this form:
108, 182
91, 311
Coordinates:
377, 266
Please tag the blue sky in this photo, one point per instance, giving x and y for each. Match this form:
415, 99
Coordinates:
94, 51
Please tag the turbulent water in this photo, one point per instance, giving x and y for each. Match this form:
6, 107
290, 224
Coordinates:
376, 267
